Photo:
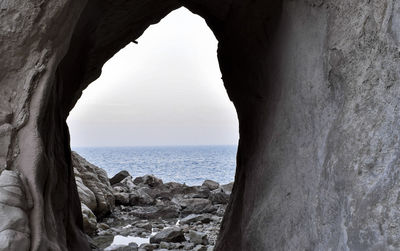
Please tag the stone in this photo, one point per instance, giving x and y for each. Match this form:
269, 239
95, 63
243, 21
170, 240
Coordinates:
192, 218
155, 212
201, 192
119, 177
149, 180
210, 184
15, 204
164, 245
89, 220
200, 248
147, 247
218, 196
128, 184
196, 206
14, 240
103, 241
92, 178
122, 198
102, 226
227, 188
92, 244
145, 225
173, 234
189, 246
198, 237
140, 197
130, 247
86, 195
5, 117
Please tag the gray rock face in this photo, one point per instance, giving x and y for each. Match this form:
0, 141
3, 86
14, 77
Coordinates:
15, 204
173, 234
196, 206
195, 218
315, 85
149, 180
218, 196
93, 185
210, 184
140, 197
119, 177
227, 188
198, 238
89, 220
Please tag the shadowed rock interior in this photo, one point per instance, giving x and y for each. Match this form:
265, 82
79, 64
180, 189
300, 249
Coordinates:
315, 84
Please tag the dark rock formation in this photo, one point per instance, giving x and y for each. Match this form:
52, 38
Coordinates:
148, 180
95, 192
119, 177
15, 205
210, 184
173, 234
315, 84
94, 188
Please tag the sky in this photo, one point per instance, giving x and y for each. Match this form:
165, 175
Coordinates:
165, 90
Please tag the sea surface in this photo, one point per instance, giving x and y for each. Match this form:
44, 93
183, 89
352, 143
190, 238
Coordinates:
183, 164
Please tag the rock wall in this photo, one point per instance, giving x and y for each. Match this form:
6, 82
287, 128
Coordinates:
95, 192
93, 186
15, 204
315, 84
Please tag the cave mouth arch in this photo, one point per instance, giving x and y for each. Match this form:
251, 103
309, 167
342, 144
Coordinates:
93, 42
164, 93
97, 30
171, 78
310, 83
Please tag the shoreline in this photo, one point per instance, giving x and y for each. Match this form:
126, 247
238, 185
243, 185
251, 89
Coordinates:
144, 213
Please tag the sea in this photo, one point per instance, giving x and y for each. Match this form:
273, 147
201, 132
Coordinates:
184, 164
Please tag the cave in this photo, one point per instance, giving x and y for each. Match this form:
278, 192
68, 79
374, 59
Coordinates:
315, 84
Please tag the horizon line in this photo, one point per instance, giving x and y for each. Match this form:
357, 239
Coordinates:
100, 146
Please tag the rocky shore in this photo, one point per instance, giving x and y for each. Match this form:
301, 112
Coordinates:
144, 213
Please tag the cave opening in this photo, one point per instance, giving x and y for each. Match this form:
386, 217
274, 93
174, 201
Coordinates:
158, 108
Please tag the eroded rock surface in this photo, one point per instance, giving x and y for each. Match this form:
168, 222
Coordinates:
15, 205
93, 185
315, 84
160, 224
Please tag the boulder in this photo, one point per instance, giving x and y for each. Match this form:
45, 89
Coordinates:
198, 237
89, 220
119, 177
200, 248
200, 192
227, 188
102, 226
90, 177
149, 180
131, 247
121, 199
218, 196
147, 247
15, 204
86, 195
196, 206
140, 198
127, 184
173, 234
210, 184
188, 246
155, 212
203, 218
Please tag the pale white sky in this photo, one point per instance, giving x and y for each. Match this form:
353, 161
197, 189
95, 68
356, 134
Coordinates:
166, 90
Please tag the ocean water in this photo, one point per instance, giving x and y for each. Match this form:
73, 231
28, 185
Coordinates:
183, 164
